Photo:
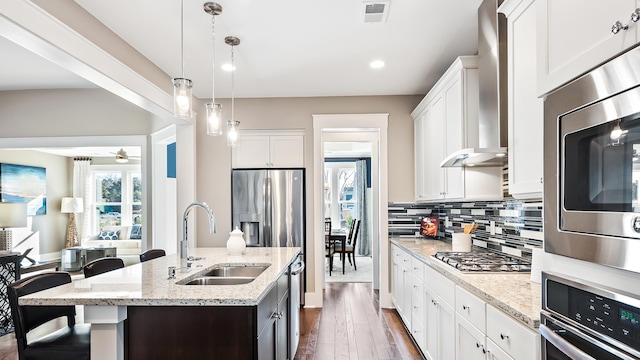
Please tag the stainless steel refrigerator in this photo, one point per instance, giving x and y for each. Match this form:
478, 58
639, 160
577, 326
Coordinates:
268, 206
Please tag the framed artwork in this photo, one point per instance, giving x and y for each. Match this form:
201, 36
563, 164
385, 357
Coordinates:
23, 183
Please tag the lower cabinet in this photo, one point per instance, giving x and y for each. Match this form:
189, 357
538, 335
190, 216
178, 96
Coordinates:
448, 322
212, 332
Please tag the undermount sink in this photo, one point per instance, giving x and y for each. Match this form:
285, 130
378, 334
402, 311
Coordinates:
213, 280
229, 275
237, 271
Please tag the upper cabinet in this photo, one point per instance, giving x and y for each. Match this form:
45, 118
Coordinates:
446, 120
525, 109
577, 35
269, 149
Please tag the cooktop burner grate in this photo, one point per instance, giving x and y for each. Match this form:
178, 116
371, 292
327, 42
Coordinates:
483, 262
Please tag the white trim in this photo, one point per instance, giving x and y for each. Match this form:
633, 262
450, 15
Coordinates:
364, 126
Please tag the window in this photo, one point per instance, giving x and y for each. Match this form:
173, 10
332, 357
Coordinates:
118, 196
340, 204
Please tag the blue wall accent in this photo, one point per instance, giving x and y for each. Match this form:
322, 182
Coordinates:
171, 160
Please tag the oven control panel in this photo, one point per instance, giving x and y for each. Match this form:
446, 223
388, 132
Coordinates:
604, 315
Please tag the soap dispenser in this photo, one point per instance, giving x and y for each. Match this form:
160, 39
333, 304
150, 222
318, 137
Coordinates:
236, 243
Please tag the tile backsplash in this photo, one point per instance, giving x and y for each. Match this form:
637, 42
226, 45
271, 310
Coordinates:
510, 226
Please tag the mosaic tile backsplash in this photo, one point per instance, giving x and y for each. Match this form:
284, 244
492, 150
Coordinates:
511, 226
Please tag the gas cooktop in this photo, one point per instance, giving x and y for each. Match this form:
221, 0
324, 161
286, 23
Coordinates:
483, 262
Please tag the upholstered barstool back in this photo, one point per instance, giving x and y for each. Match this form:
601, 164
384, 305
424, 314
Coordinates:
151, 254
102, 265
71, 342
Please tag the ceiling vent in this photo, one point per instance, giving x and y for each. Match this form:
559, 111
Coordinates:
375, 11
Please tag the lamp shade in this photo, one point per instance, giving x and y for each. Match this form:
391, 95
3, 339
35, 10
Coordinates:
13, 215
71, 205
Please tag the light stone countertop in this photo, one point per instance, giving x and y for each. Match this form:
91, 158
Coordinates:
147, 284
512, 293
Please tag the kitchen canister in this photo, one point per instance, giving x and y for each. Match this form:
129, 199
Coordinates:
236, 243
461, 242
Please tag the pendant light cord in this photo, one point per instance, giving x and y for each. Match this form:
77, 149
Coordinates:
233, 86
213, 61
182, 34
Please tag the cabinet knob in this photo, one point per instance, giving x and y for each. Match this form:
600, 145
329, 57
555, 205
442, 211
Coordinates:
477, 344
277, 315
434, 302
465, 307
617, 26
503, 336
635, 15
540, 180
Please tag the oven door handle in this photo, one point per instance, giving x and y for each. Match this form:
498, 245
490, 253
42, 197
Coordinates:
562, 345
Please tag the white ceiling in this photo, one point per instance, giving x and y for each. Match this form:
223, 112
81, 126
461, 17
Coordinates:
289, 48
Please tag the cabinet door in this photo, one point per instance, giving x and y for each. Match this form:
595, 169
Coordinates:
447, 331
419, 143
520, 342
282, 329
470, 342
286, 151
495, 353
525, 108
455, 133
435, 150
267, 341
575, 36
251, 151
432, 323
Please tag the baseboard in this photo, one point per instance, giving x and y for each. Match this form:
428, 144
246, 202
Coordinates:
313, 300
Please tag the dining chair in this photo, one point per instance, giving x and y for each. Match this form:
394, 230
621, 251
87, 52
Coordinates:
102, 265
349, 250
151, 254
329, 244
70, 342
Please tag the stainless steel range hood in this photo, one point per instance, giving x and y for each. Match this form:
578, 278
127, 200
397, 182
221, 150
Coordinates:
492, 121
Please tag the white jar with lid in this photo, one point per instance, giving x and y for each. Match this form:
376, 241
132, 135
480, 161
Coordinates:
236, 243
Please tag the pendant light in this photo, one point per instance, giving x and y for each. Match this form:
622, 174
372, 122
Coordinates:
232, 125
214, 111
182, 100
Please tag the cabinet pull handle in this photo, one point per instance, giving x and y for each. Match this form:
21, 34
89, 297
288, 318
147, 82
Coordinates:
635, 16
277, 315
503, 336
465, 307
617, 26
477, 344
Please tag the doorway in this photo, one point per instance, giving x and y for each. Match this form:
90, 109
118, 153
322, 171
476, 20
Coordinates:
368, 128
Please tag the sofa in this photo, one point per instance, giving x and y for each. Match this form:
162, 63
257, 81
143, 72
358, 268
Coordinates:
126, 239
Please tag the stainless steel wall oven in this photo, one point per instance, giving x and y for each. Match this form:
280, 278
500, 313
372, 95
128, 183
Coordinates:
586, 321
592, 166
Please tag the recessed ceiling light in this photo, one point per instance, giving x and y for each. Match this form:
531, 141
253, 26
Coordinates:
377, 64
228, 67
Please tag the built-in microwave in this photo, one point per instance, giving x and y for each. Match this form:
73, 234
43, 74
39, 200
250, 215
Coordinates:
592, 165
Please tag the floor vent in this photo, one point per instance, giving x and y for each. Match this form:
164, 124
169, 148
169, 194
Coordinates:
375, 11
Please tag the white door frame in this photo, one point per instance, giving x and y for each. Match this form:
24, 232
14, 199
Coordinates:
324, 127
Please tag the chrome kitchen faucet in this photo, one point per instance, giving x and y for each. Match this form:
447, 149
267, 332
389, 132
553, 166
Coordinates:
184, 244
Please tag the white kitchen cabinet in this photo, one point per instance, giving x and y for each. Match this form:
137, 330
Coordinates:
470, 341
515, 339
525, 109
402, 284
448, 120
269, 149
494, 352
574, 36
439, 330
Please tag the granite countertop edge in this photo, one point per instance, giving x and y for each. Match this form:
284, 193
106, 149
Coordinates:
467, 281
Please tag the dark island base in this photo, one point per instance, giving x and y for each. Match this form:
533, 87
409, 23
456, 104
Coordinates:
192, 332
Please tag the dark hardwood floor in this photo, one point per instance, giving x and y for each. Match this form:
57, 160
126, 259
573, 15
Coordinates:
351, 325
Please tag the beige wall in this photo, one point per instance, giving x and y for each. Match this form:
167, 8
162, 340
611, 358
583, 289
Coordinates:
213, 179
45, 233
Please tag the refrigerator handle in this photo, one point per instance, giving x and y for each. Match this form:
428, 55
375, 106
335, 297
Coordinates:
268, 200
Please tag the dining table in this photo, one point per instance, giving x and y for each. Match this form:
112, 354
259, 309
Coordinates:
339, 237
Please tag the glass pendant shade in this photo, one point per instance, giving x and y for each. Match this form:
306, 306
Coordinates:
232, 132
182, 101
214, 119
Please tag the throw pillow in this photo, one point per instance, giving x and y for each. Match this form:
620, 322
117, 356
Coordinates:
109, 235
136, 232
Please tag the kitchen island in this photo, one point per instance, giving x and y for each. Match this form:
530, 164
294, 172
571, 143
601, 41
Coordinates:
120, 303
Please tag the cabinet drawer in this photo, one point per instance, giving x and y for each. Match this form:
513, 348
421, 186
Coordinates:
405, 259
418, 331
417, 299
471, 308
265, 309
417, 268
514, 338
442, 286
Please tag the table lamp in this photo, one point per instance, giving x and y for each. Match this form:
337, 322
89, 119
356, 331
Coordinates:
71, 206
11, 215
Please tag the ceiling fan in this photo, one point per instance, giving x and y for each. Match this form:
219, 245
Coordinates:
123, 157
